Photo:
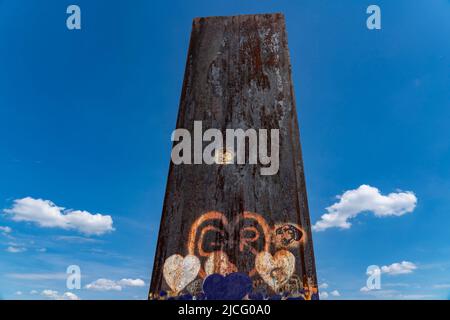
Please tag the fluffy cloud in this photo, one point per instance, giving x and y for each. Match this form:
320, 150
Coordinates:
70, 296
335, 293
103, 285
398, 268
327, 294
403, 267
131, 283
111, 285
46, 214
49, 294
54, 295
365, 199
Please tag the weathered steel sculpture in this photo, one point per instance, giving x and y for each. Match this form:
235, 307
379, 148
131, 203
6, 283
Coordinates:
227, 231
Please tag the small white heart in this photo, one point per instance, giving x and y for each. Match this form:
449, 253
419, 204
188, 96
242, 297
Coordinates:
179, 272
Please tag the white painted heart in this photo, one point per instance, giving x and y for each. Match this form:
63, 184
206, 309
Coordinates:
277, 269
179, 272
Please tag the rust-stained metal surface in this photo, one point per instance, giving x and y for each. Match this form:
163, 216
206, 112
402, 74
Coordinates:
223, 219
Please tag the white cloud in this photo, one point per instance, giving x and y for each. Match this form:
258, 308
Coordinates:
108, 285
103, 285
51, 294
327, 294
365, 199
70, 296
131, 283
364, 289
403, 267
335, 293
397, 268
54, 295
46, 214
18, 293
323, 285
33, 292
5, 229
13, 249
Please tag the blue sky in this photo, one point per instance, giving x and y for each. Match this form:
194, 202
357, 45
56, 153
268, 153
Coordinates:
86, 118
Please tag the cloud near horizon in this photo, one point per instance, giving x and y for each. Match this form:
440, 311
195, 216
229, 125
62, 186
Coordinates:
54, 295
397, 268
365, 199
46, 214
111, 285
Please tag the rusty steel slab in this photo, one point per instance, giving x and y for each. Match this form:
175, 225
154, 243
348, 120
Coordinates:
230, 223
